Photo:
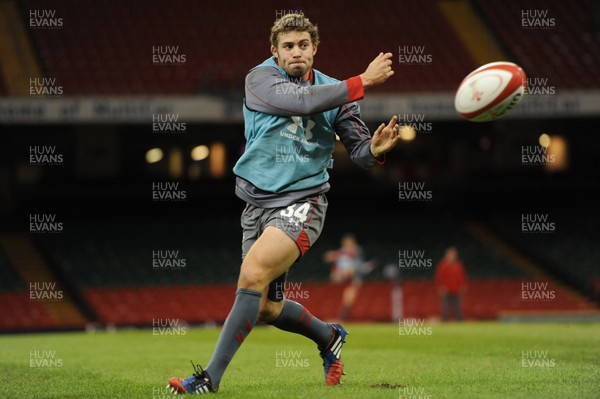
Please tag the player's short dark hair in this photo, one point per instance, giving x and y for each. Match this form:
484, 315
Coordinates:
294, 22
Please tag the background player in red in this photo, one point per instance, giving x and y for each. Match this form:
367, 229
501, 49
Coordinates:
291, 108
451, 283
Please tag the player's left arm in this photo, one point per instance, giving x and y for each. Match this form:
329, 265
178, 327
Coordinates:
364, 149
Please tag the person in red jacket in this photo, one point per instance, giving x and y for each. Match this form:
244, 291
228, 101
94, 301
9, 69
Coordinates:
451, 283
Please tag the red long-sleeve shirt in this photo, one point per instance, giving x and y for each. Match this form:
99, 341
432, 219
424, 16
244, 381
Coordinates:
451, 276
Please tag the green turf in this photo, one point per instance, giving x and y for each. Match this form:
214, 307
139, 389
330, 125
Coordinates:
470, 360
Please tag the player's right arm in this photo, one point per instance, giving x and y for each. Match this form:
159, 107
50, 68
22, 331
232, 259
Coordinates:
267, 91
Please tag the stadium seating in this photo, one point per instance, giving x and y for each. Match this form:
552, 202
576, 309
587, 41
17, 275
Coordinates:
19, 312
426, 231
121, 254
567, 53
140, 306
3, 90
217, 259
109, 50
485, 300
570, 251
9, 278
111, 262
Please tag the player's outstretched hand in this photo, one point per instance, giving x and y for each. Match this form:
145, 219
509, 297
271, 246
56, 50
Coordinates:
378, 71
385, 137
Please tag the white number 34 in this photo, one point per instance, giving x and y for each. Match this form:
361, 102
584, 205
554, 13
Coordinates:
301, 213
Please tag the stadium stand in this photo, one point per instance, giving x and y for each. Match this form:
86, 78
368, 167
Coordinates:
125, 254
568, 249
3, 90
424, 231
113, 263
9, 278
19, 312
89, 56
566, 51
40, 300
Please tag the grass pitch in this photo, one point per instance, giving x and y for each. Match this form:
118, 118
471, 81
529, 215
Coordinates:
454, 360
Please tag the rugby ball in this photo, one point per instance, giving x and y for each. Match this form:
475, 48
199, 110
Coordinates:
490, 91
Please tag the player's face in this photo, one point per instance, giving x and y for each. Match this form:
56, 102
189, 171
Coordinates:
348, 242
295, 52
451, 254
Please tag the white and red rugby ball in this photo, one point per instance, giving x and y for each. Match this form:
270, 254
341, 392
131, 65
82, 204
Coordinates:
490, 91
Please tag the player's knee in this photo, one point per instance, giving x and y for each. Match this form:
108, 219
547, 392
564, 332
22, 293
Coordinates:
252, 278
269, 311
